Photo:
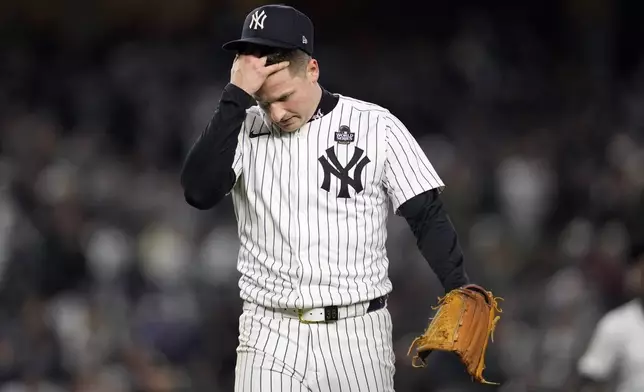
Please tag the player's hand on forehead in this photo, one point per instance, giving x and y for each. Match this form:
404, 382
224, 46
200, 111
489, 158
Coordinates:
249, 72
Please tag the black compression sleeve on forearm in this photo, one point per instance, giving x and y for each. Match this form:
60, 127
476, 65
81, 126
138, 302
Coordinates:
436, 238
207, 174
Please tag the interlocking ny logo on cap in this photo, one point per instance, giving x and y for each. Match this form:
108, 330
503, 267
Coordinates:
257, 20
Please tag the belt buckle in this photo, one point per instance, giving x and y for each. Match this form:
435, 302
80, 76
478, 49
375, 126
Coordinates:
330, 313
300, 313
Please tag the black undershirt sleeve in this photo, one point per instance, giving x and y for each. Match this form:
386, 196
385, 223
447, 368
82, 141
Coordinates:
436, 238
207, 174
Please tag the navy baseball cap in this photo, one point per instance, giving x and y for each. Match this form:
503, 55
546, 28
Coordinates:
276, 26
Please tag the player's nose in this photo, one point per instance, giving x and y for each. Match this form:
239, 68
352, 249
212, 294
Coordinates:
277, 113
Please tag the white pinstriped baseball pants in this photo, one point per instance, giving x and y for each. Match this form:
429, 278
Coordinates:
279, 353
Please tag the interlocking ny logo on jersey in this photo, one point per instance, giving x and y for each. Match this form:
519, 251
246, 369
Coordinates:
342, 172
257, 20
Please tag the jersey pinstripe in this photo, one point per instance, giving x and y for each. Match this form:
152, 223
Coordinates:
312, 206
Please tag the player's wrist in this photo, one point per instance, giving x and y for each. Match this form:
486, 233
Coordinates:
238, 94
246, 89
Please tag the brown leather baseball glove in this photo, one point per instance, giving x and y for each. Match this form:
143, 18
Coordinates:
463, 324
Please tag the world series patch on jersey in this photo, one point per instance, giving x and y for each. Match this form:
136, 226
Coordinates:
344, 135
312, 204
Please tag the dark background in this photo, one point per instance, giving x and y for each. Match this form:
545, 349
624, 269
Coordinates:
530, 111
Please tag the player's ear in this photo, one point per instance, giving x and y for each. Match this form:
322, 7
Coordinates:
312, 70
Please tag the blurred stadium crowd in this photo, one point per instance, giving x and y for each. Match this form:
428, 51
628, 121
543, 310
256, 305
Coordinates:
110, 282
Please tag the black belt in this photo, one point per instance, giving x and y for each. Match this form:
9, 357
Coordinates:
331, 312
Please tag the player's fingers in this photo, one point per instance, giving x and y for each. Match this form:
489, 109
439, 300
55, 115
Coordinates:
277, 67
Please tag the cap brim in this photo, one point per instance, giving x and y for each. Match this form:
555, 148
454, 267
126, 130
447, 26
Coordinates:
238, 44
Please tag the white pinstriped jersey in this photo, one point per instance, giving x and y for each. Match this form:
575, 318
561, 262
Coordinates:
312, 210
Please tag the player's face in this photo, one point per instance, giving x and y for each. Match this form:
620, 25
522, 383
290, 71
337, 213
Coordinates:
288, 96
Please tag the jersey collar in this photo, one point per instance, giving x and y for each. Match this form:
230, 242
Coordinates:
327, 103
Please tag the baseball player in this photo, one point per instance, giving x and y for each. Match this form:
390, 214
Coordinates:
312, 174
616, 350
